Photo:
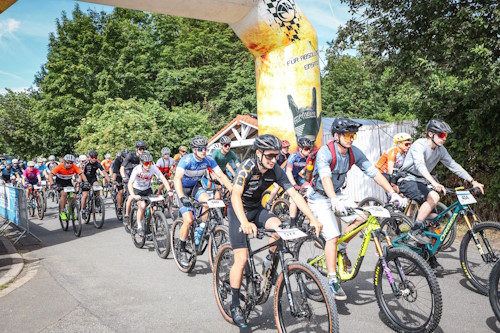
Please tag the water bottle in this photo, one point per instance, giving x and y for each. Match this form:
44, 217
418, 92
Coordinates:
199, 233
309, 171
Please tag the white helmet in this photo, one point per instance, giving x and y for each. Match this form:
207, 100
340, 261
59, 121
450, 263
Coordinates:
52, 158
15, 161
401, 137
107, 156
44, 160
82, 158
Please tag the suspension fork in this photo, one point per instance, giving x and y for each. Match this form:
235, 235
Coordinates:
387, 271
284, 267
476, 240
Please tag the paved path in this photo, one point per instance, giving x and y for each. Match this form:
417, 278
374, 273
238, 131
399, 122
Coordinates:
101, 283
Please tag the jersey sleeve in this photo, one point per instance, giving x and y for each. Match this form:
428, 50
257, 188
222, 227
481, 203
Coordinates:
133, 175
323, 161
76, 169
212, 164
363, 163
290, 161
99, 166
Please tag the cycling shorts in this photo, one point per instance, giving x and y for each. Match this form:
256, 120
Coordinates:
259, 216
31, 181
414, 190
192, 192
62, 183
144, 193
322, 210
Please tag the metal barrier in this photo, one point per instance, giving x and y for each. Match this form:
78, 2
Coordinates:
14, 210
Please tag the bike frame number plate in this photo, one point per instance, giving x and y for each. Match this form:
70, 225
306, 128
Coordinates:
465, 198
37, 187
69, 189
290, 234
156, 198
377, 211
44, 182
215, 204
97, 188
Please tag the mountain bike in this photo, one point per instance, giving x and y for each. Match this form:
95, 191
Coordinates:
72, 210
155, 224
480, 246
95, 207
494, 289
294, 309
36, 202
213, 235
409, 302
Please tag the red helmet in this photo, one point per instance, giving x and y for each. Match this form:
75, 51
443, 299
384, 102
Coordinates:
285, 143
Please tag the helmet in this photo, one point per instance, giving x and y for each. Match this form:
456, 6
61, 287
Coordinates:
39, 160
44, 160
118, 154
31, 163
438, 126
285, 143
141, 143
304, 142
8, 162
82, 158
125, 152
199, 141
93, 152
267, 142
2, 166
225, 140
344, 125
15, 161
107, 156
52, 158
165, 151
401, 137
146, 157
69, 158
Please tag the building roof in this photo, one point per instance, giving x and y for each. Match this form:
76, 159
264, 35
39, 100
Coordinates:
247, 119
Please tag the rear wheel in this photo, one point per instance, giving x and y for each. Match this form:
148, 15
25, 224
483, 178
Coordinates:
219, 237
98, 210
477, 267
370, 201
138, 240
176, 246
31, 206
76, 220
281, 208
161, 234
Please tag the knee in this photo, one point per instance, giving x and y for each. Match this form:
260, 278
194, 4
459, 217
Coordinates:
433, 198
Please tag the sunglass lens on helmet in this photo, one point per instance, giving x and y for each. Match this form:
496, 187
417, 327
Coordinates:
407, 144
200, 149
227, 146
270, 157
442, 135
147, 163
141, 148
307, 148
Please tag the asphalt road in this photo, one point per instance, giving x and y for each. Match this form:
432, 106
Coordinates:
101, 282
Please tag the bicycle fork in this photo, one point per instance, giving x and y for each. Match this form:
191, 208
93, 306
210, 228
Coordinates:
382, 255
293, 307
484, 256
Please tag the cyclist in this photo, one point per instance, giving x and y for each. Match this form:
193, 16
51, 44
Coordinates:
187, 184
128, 164
17, 165
422, 158
31, 176
7, 172
118, 180
90, 169
394, 157
140, 185
42, 168
327, 186
17, 171
166, 164
245, 212
282, 159
182, 152
224, 155
64, 173
81, 161
52, 163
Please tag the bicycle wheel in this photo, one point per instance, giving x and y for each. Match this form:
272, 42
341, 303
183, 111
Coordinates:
176, 246
40, 211
222, 289
98, 210
311, 251
219, 237
138, 240
475, 266
396, 225
265, 197
494, 289
309, 315
281, 208
31, 207
64, 224
452, 235
370, 201
417, 307
76, 220
161, 234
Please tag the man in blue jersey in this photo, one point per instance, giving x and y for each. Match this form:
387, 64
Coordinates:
187, 184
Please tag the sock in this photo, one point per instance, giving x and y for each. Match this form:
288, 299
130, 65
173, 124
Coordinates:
417, 225
139, 224
332, 277
235, 300
183, 245
292, 222
342, 246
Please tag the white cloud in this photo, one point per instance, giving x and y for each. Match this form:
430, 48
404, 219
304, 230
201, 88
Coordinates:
14, 76
8, 27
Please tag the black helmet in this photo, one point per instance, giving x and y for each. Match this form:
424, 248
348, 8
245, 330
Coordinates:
344, 125
124, 152
141, 143
225, 140
304, 142
93, 152
438, 126
199, 141
267, 142
146, 157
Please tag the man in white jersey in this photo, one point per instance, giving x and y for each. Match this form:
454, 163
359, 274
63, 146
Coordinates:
139, 185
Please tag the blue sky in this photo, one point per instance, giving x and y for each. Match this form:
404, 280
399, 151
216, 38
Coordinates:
25, 28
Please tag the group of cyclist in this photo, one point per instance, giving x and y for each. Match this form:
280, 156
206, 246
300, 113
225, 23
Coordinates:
272, 164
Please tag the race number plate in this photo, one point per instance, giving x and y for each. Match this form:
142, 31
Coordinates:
156, 198
215, 204
465, 198
97, 188
37, 187
377, 211
69, 189
44, 182
290, 234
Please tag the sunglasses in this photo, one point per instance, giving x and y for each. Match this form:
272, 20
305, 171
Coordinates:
271, 157
147, 163
183, 151
350, 136
200, 149
141, 148
93, 156
68, 162
307, 148
407, 144
442, 135
226, 145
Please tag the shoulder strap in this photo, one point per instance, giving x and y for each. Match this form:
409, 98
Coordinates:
331, 146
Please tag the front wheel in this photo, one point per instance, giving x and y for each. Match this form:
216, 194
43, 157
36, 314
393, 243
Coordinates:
98, 210
161, 234
309, 315
484, 238
40, 210
176, 246
138, 240
76, 220
31, 207
219, 237
416, 305
494, 290
64, 223
222, 289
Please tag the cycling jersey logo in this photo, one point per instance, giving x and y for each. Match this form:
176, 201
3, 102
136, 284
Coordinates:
306, 122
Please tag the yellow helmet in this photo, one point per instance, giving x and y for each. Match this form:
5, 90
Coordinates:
401, 137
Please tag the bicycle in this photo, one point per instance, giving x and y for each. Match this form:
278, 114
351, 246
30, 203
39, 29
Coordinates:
155, 223
476, 261
409, 301
294, 309
494, 289
72, 210
36, 203
213, 236
281, 208
95, 207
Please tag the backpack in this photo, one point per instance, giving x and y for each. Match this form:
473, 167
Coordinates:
312, 158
